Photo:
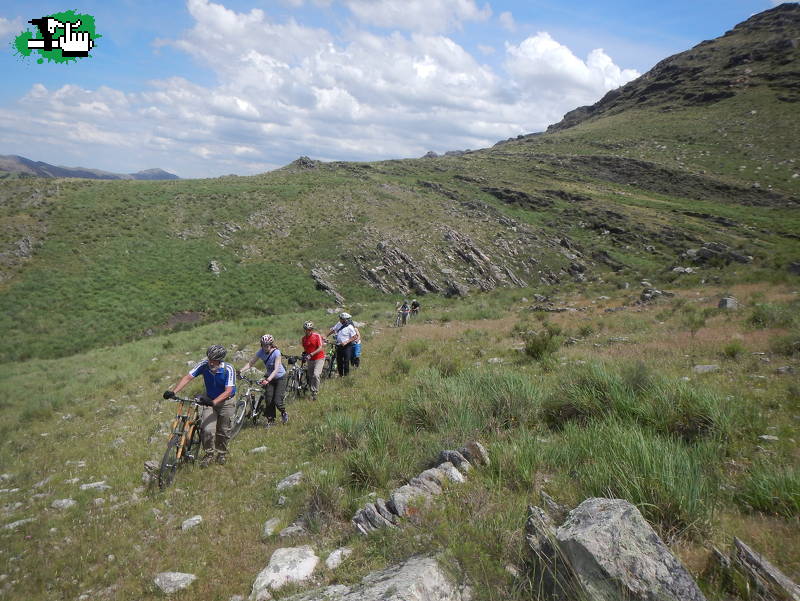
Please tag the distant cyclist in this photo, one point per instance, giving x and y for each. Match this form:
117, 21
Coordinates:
415, 307
273, 381
215, 416
404, 310
345, 336
314, 355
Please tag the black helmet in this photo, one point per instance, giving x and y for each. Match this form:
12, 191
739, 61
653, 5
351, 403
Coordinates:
216, 352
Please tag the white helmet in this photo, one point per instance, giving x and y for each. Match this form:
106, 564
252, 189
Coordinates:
344, 315
267, 339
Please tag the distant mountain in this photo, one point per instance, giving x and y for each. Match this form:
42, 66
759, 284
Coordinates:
20, 166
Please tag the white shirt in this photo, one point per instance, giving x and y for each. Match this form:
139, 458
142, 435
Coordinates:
343, 334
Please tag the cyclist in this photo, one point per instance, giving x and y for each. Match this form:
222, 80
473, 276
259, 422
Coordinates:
313, 355
404, 310
218, 404
415, 307
345, 335
273, 381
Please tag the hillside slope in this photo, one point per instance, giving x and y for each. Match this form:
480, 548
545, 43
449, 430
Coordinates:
635, 191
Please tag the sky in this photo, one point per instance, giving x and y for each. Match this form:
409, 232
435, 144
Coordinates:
205, 88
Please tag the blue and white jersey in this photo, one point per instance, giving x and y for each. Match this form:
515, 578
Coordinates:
269, 361
216, 382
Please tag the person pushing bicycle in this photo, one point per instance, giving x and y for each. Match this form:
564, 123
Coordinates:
345, 336
273, 381
314, 356
218, 402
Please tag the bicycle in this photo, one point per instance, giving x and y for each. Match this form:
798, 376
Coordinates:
296, 384
250, 405
329, 366
184, 442
400, 319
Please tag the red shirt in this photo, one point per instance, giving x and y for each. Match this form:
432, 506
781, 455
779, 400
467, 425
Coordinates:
311, 342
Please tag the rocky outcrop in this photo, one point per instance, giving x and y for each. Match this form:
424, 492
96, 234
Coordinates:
409, 499
396, 272
606, 551
323, 284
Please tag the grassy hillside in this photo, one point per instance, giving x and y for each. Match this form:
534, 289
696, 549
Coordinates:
582, 403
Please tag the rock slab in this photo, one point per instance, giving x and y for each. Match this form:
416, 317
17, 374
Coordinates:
615, 554
172, 582
290, 564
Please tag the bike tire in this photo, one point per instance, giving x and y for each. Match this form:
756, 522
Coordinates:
257, 409
169, 462
328, 368
191, 451
292, 389
239, 415
303, 382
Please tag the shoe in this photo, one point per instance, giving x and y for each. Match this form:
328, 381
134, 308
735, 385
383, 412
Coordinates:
206, 460
313, 397
222, 459
284, 418
269, 424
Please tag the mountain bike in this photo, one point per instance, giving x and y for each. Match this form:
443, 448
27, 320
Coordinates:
184, 441
296, 384
329, 366
250, 405
400, 319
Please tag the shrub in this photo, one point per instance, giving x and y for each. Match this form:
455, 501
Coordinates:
417, 347
788, 345
733, 350
771, 315
541, 344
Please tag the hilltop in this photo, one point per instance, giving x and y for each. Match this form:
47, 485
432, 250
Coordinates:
17, 166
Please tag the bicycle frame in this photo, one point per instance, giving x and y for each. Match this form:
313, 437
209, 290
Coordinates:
186, 421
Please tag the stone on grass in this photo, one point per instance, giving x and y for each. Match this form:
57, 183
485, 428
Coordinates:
290, 481
615, 554
18, 523
287, 565
172, 582
101, 485
452, 473
336, 557
705, 369
63, 503
270, 526
456, 458
193, 521
475, 453
292, 530
259, 450
404, 500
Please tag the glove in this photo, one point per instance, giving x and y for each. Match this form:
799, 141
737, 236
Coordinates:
304, 356
205, 402
168, 394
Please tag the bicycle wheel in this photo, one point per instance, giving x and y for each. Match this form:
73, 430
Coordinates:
328, 367
169, 463
303, 382
257, 408
397, 321
240, 414
191, 451
292, 388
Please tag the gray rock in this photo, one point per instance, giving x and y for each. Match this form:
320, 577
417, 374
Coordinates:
270, 526
336, 558
418, 579
18, 523
616, 555
427, 484
383, 509
292, 530
172, 582
705, 369
452, 474
290, 481
101, 485
457, 459
786, 369
375, 518
259, 450
728, 302
287, 565
193, 521
475, 453
63, 503
406, 497
768, 438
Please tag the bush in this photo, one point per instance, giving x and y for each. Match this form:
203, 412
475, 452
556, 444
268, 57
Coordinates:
788, 345
541, 344
771, 315
733, 350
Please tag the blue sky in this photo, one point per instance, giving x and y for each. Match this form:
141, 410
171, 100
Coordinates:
204, 88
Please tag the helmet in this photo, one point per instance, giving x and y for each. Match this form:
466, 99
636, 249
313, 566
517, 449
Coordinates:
405, 302
344, 315
309, 325
267, 339
216, 352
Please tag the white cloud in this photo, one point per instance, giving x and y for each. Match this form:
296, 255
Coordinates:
283, 90
10, 28
427, 16
507, 21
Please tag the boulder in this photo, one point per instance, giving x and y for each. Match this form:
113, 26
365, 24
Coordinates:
728, 302
475, 453
269, 527
456, 459
193, 521
615, 554
287, 565
452, 474
290, 481
172, 582
417, 579
403, 500
336, 557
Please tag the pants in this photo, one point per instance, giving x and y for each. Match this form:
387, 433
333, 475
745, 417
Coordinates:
355, 361
343, 356
404, 318
273, 397
215, 426
313, 372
